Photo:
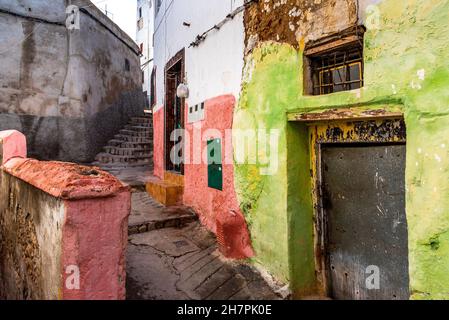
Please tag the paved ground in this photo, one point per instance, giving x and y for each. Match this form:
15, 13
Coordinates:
170, 263
147, 215
136, 177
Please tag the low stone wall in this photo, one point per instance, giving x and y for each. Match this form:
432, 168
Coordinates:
63, 228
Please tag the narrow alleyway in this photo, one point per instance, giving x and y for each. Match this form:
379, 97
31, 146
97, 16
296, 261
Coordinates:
178, 259
129, 155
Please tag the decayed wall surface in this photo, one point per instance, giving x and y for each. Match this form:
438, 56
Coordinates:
158, 143
405, 55
30, 249
63, 228
68, 91
215, 205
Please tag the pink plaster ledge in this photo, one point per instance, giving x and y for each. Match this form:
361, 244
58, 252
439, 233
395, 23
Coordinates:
63, 180
12, 145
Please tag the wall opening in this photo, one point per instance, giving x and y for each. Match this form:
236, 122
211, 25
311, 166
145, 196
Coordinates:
334, 64
174, 111
361, 234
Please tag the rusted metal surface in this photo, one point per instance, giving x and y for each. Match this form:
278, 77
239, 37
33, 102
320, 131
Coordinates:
363, 188
344, 114
340, 132
383, 131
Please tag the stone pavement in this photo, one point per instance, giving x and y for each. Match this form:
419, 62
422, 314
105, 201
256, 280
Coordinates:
182, 262
148, 215
134, 176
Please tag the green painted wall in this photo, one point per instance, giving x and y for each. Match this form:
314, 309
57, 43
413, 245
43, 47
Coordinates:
406, 68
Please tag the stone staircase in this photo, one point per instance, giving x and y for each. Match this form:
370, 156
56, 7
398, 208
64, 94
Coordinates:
131, 147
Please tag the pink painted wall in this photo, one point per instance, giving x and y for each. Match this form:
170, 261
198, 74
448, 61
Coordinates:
158, 140
209, 203
95, 234
13, 144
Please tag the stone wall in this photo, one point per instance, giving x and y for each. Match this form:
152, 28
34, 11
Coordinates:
63, 228
68, 91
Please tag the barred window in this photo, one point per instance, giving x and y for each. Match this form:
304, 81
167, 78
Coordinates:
341, 70
335, 63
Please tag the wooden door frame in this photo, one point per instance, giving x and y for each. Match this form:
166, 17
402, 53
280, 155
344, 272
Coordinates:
178, 57
355, 132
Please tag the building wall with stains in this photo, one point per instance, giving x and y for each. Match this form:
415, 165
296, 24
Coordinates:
213, 70
405, 57
30, 249
63, 228
68, 91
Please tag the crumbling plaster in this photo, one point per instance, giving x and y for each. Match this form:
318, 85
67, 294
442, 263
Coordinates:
405, 71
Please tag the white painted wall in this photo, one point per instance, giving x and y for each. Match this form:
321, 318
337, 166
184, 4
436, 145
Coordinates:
145, 36
214, 67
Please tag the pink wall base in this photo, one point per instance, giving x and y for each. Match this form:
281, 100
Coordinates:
95, 235
158, 134
211, 204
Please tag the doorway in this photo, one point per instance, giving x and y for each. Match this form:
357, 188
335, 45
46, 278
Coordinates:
364, 200
174, 112
361, 223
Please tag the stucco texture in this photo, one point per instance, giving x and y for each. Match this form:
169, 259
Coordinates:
69, 92
158, 140
211, 204
405, 70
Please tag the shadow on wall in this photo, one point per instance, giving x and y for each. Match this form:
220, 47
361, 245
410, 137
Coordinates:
74, 139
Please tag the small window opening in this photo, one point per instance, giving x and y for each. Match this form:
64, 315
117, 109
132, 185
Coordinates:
335, 68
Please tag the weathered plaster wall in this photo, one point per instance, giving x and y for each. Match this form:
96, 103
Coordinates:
30, 248
55, 217
298, 21
158, 143
95, 236
209, 203
145, 36
68, 91
210, 72
405, 70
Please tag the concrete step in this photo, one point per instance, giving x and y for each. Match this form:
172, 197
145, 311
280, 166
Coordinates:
109, 158
141, 121
148, 134
129, 138
142, 127
147, 215
168, 191
119, 166
128, 151
127, 144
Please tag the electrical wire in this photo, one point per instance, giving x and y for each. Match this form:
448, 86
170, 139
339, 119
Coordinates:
200, 38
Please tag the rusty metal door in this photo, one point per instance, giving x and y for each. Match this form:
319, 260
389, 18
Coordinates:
363, 196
